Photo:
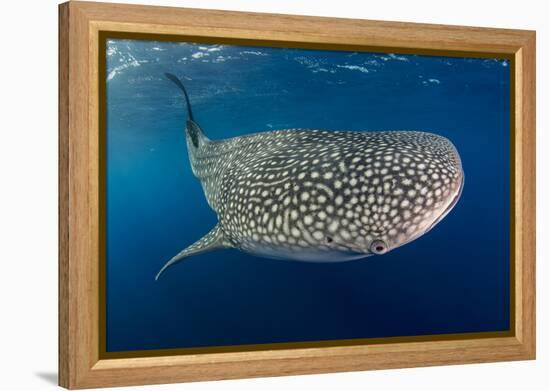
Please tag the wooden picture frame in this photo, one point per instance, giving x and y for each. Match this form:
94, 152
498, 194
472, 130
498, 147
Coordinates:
81, 364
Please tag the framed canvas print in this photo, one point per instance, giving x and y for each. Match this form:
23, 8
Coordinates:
249, 195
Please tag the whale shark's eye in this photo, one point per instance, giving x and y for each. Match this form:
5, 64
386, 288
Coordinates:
329, 239
378, 247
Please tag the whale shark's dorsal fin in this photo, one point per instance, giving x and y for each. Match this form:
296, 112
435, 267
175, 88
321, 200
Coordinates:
193, 129
211, 241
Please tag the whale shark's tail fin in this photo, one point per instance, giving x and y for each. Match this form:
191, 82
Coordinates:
178, 82
193, 129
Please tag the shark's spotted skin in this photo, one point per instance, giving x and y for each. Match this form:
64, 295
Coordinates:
319, 195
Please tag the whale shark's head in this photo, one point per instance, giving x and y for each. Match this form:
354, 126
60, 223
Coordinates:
394, 193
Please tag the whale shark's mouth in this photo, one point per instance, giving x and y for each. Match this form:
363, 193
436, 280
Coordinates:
443, 214
456, 198
450, 206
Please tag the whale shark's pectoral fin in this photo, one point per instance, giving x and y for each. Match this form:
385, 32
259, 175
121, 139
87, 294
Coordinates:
211, 241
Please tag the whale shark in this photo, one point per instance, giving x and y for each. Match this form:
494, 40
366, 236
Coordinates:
320, 195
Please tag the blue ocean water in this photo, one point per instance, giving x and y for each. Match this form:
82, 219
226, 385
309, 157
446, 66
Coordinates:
454, 279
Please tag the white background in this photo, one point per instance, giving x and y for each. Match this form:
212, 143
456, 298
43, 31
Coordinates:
28, 194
